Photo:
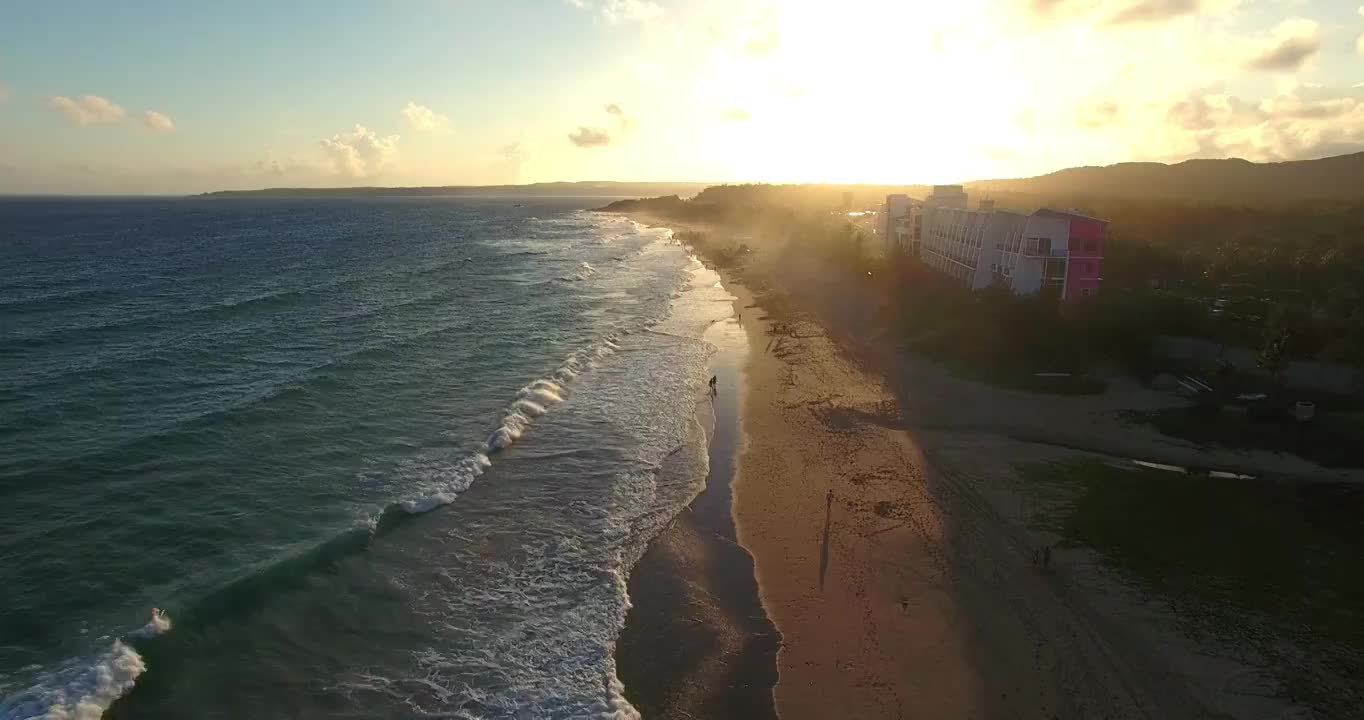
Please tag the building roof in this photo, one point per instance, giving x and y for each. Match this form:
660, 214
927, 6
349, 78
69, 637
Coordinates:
1048, 212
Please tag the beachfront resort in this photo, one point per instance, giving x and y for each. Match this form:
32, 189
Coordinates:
1058, 250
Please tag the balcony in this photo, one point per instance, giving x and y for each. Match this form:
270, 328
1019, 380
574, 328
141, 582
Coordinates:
1040, 248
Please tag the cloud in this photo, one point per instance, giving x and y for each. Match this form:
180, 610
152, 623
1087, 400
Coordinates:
1098, 116
1291, 126
514, 153
622, 11
1298, 108
1293, 43
587, 137
735, 114
271, 168
506, 164
157, 122
424, 119
1145, 11
360, 152
624, 122
1123, 12
1049, 8
87, 109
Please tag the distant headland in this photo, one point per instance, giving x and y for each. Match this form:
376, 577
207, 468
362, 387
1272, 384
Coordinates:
547, 189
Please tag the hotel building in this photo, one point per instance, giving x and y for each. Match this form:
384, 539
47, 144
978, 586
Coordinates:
1053, 249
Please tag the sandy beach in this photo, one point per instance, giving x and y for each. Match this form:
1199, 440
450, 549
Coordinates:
894, 546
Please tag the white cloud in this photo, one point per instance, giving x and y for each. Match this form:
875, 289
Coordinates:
624, 122
1307, 123
1293, 43
423, 119
360, 152
621, 11
1144, 11
1124, 12
511, 158
87, 109
587, 137
157, 122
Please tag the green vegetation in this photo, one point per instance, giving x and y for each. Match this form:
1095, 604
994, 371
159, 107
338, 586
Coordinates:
989, 335
1329, 440
1249, 272
1277, 273
1251, 561
1006, 339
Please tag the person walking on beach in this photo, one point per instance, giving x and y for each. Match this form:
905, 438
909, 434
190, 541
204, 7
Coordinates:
713, 380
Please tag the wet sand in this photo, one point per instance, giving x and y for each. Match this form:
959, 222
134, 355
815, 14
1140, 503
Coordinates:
696, 642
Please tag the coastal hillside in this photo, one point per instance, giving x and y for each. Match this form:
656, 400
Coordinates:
1200, 181
1232, 182
1218, 182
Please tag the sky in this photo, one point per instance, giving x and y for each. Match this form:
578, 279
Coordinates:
178, 96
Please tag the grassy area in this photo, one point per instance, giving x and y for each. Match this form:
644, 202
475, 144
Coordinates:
1231, 555
1329, 440
1078, 383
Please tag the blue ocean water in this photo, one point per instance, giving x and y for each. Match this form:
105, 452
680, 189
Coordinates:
372, 458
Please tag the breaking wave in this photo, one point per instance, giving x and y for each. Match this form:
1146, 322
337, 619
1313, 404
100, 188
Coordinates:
84, 690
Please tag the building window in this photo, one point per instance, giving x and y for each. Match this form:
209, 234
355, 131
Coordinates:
1086, 292
1091, 246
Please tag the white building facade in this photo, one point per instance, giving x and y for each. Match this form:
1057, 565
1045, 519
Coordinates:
1061, 251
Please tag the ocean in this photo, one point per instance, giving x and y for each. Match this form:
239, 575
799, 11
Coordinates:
384, 458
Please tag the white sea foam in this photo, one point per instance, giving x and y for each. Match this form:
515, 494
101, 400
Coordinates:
529, 408
542, 393
160, 622
585, 271
532, 401
85, 690
455, 481
617, 707
108, 678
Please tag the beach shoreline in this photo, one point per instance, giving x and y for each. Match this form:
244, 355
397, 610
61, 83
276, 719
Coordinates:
696, 641
894, 543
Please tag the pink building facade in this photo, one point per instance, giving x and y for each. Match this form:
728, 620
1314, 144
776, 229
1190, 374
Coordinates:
1084, 269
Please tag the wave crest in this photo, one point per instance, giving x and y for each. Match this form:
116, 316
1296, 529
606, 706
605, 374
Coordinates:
532, 401
84, 691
